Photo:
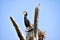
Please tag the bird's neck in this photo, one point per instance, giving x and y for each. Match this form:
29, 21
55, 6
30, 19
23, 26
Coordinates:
25, 17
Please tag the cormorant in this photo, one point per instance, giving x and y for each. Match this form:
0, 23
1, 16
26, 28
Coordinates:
26, 21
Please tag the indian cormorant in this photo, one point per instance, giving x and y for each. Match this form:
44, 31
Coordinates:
26, 21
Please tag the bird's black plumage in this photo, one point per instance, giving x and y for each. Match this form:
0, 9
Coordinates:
26, 21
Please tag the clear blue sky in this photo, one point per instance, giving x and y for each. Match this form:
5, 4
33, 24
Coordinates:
49, 17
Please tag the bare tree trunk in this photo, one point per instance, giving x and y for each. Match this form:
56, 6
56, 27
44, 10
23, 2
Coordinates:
36, 22
19, 33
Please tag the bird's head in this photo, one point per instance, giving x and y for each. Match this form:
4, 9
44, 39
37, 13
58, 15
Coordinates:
25, 13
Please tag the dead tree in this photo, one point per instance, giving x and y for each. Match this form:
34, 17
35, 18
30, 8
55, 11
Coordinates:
37, 34
36, 22
19, 33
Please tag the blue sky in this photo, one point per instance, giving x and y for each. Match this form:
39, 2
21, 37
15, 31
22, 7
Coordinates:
49, 17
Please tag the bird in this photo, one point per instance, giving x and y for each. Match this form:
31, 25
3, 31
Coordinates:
26, 21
